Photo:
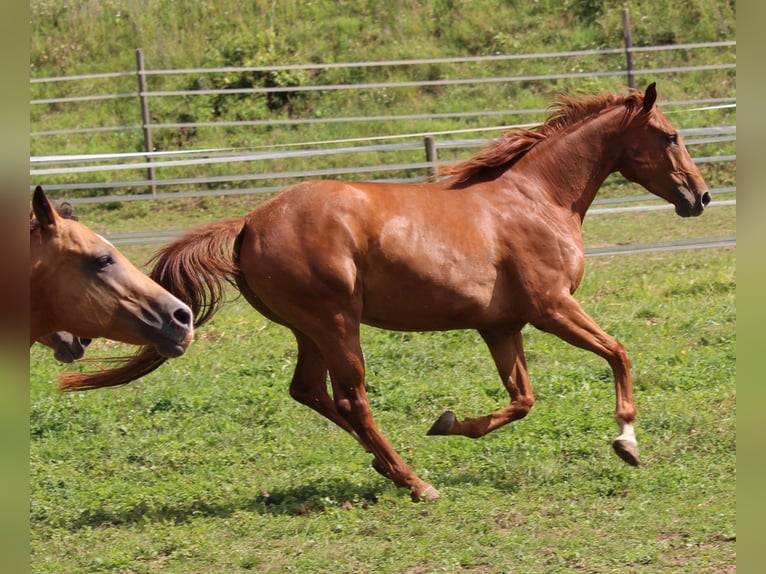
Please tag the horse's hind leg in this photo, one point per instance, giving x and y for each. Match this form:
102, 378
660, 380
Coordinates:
572, 324
507, 350
343, 354
309, 383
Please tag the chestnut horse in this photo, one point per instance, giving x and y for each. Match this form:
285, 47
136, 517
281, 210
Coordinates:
80, 284
493, 246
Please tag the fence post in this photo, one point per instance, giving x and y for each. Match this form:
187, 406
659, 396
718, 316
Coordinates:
430, 143
628, 47
145, 115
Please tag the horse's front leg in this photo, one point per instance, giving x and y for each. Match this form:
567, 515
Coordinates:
573, 325
507, 351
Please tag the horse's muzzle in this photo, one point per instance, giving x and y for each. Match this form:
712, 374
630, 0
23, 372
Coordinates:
687, 208
178, 332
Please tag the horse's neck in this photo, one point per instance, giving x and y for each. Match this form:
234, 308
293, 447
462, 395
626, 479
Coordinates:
572, 166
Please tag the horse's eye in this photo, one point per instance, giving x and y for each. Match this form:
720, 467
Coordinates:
104, 261
671, 139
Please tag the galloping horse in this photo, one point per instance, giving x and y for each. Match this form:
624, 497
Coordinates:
82, 285
493, 246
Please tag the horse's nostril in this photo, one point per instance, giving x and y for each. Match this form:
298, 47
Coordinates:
183, 316
705, 198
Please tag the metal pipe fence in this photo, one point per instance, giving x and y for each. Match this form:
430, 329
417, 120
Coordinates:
107, 176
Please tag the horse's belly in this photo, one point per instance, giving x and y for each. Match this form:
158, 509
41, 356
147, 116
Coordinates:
409, 303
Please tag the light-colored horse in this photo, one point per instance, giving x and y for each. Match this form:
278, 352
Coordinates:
81, 284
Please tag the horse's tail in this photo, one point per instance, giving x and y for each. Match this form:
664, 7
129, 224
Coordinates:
196, 268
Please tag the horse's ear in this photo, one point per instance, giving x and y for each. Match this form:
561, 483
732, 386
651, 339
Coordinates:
650, 96
42, 208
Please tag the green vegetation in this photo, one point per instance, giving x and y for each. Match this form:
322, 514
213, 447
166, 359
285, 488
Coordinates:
68, 38
208, 466
95, 36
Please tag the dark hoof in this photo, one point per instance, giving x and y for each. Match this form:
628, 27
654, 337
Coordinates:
443, 424
627, 451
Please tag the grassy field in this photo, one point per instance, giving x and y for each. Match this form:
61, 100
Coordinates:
208, 466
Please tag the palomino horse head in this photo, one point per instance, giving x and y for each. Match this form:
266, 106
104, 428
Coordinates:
656, 158
80, 283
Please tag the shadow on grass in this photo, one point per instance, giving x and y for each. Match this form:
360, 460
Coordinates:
315, 496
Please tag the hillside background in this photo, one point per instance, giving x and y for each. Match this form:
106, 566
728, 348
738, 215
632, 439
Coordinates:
101, 36
86, 36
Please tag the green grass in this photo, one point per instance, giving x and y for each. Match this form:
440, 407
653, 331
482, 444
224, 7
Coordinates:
207, 465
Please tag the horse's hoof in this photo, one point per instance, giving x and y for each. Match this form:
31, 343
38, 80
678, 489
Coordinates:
627, 450
430, 494
443, 424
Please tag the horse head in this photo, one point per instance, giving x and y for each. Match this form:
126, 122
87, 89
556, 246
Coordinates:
82, 284
655, 157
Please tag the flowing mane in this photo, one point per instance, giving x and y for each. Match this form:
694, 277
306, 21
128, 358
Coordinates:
516, 142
